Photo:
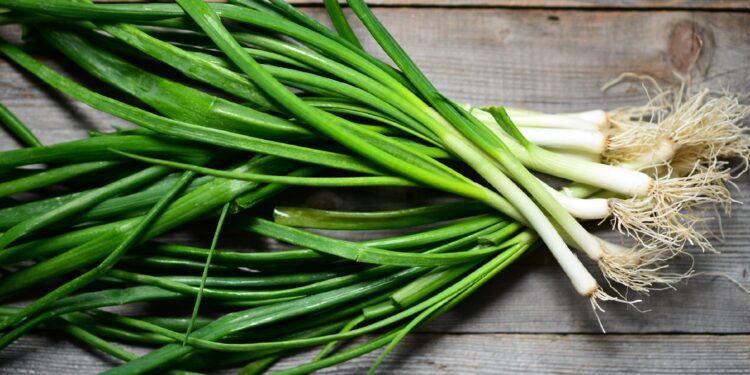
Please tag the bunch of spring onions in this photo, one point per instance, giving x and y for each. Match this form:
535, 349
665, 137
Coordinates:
238, 101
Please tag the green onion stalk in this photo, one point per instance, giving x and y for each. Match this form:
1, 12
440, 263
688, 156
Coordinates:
491, 151
630, 215
90, 243
667, 225
489, 147
664, 221
467, 245
425, 294
387, 153
627, 213
447, 261
664, 225
373, 146
318, 104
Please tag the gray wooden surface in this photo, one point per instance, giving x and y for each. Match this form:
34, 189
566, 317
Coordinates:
597, 4
528, 319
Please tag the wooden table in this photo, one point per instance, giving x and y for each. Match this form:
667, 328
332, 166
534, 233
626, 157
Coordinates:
551, 55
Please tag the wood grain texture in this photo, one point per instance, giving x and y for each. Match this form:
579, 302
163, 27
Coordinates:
548, 4
552, 60
598, 4
54, 353
555, 354
461, 354
559, 60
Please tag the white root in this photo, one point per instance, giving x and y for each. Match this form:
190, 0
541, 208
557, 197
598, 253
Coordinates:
703, 126
703, 185
639, 219
644, 155
641, 268
663, 222
627, 144
601, 295
634, 130
680, 138
667, 215
708, 129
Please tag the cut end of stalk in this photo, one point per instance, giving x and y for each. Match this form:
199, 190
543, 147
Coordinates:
591, 291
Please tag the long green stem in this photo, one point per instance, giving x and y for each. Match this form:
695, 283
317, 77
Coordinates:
325, 219
97, 149
339, 22
202, 286
181, 129
169, 97
287, 180
262, 315
202, 200
51, 176
91, 275
81, 203
17, 128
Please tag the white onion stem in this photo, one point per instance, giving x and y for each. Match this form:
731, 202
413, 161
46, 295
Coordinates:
583, 208
594, 142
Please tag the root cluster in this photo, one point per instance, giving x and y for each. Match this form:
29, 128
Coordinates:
705, 127
700, 130
670, 215
641, 268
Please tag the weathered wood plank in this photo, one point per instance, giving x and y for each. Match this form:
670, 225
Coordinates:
551, 60
462, 354
557, 60
55, 353
550, 4
597, 4
554, 354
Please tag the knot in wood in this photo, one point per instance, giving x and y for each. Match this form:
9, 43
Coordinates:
690, 48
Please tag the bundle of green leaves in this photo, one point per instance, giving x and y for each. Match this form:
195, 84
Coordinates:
240, 101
